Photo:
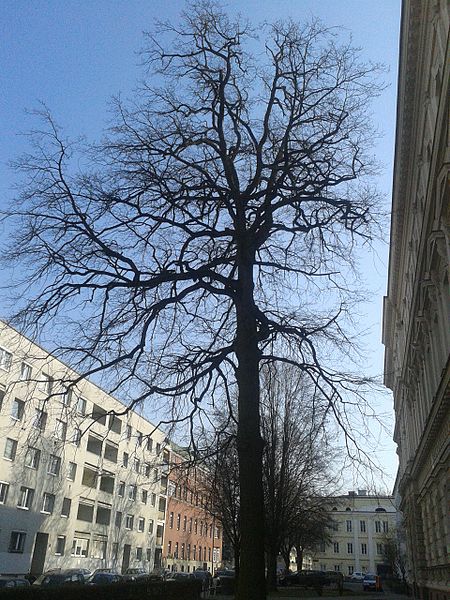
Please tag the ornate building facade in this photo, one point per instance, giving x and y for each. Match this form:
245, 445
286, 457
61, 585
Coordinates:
416, 320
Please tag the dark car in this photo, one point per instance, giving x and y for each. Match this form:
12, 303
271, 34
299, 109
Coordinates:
13, 582
179, 575
62, 577
104, 578
135, 573
306, 579
371, 582
205, 577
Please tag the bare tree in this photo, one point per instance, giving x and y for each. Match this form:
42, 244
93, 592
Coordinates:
297, 463
192, 243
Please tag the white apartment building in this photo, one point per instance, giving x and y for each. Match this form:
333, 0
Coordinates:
82, 481
361, 523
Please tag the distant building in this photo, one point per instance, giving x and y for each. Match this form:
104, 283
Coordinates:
416, 319
193, 537
82, 481
361, 526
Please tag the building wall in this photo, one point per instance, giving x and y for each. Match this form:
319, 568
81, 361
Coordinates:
109, 465
193, 537
361, 524
417, 306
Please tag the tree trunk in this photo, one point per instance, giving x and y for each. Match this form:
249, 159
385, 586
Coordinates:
237, 559
251, 582
299, 558
272, 568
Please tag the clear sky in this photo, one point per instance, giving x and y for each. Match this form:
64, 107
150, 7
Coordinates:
75, 54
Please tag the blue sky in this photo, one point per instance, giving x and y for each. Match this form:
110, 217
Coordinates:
74, 55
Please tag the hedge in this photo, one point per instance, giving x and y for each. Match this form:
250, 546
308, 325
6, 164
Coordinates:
152, 590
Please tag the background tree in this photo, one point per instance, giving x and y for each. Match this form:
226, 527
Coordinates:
191, 245
296, 463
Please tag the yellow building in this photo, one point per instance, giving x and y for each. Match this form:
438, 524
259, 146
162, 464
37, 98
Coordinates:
361, 524
416, 319
83, 482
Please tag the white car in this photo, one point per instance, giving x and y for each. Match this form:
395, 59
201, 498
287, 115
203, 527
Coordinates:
357, 576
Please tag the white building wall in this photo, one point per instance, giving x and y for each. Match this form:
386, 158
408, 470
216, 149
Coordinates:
121, 470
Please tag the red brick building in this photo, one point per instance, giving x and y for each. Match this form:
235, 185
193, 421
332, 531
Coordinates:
193, 538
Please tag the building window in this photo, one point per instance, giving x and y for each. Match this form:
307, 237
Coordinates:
60, 430
350, 548
139, 438
5, 359
2, 395
377, 526
132, 492
178, 521
40, 419
149, 554
138, 553
118, 519
144, 496
158, 448
99, 548
337, 568
76, 437
121, 490
182, 551
349, 526
17, 409
54, 465
80, 547
385, 527
147, 470
169, 547
66, 397
129, 519
17, 541
171, 520
380, 549
149, 444
32, 458
48, 503
336, 547
25, 371
60, 545
103, 516
71, 471
4, 488
81, 406
115, 551
141, 524
65, 510
94, 445
350, 569
137, 465
362, 526
128, 432
25, 498
85, 511
184, 523
194, 552
125, 459
153, 499
46, 383
175, 554
363, 548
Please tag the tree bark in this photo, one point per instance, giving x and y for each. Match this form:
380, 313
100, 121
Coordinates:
251, 582
272, 568
299, 557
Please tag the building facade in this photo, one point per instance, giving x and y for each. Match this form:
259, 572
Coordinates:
193, 537
361, 525
416, 321
83, 482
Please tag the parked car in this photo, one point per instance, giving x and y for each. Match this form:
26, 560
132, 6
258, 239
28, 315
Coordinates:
62, 577
371, 582
205, 577
177, 575
135, 573
13, 582
306, 579
357, 576
104, 578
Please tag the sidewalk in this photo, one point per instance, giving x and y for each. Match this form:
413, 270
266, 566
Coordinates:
387, 595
